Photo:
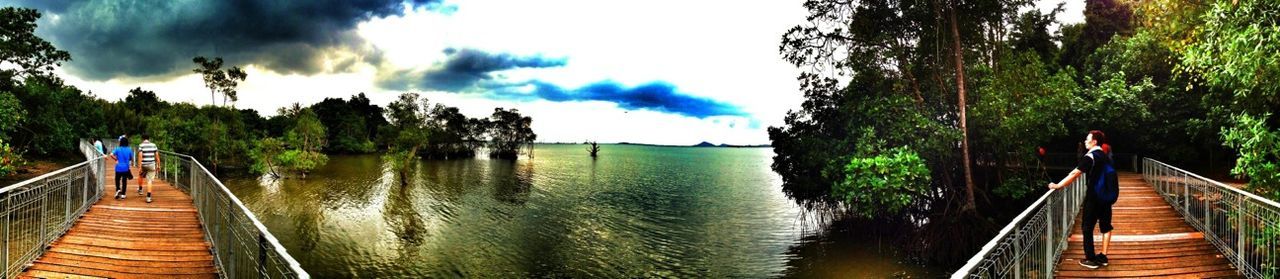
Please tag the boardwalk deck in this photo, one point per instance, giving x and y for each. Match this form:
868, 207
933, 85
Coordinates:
131, 238
1150, 240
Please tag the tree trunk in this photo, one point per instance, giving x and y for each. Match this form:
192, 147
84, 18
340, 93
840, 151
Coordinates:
964, 129
404, 168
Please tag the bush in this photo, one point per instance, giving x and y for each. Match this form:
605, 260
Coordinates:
1259, 153
883, 183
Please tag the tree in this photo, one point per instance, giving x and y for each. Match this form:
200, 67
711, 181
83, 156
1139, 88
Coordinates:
265, 154
305, 139
406, 117
11, 113
1236, 55
961, 104
593, 148
19, 46
509, 133
217, 79
143, 102
57, 116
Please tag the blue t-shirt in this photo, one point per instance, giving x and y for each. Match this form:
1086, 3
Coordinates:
124, 155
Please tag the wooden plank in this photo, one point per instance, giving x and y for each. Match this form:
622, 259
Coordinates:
1150, 240
131, 238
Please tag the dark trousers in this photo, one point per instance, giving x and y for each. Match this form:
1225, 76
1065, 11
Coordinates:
122, 181
1095, 213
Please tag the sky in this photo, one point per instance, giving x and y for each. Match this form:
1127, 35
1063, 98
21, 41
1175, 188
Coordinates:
660, 72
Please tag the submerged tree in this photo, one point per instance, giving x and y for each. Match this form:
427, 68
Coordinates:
593, 148
406, 117
510, 134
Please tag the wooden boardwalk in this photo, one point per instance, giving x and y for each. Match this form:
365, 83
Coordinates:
1150, 240
131, 238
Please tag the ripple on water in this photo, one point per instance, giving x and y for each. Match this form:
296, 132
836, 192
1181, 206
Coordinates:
634, 212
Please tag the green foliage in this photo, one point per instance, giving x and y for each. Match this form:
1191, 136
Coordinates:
20, 47
884, 183
11, 113
57, 116
818, 140
10, 160
265, 153
352, 124
407, 120
1117, 104
1018, 109
307, 133
301, 161
1259, 147
1239, 51
509, 133
144, 102
453, 135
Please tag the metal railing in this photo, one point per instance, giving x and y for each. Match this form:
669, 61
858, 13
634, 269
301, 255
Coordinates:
1243, 226
242, 246
38, 211
1029, 247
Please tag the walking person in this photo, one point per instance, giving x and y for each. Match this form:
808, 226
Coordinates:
97, 143
124, 157
148, 159
1103, 191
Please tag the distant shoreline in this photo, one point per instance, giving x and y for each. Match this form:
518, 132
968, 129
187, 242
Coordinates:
703, 144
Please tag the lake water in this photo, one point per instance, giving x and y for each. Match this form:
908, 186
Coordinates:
636, 211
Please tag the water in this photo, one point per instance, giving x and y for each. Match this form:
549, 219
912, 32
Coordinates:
636, 211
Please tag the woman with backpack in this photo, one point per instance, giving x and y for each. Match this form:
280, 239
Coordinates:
1102, 194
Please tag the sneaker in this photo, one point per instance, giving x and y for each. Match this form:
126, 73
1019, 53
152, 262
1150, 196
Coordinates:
148, 199
1089, 263
139, 190
1102, 259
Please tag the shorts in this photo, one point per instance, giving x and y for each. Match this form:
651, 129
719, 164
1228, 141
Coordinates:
148, 172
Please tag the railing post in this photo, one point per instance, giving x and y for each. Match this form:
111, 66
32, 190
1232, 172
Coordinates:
1204, 192
262, 255
1186, 196
1051, 240
44, 203
1017, 248
8, 205
1240, 200
230, 252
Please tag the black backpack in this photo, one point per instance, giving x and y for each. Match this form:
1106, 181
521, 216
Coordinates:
1107, 189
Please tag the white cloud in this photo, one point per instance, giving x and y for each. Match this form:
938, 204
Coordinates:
724, 50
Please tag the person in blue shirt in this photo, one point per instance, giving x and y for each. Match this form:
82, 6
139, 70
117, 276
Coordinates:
124, 158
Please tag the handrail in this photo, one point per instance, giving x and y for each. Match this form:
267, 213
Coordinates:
228, 225
40, 210
269, 247
1241, 225
1029, 246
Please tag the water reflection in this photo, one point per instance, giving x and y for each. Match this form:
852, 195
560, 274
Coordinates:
637, 212
511, 180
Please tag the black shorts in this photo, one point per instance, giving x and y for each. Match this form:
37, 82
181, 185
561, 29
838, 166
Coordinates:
127, 175
1097, 212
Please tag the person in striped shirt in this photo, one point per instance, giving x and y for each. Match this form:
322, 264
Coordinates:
148, 158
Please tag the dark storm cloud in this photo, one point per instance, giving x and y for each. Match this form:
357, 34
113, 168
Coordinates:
112, 38
466, 70
474, 71
654, 96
